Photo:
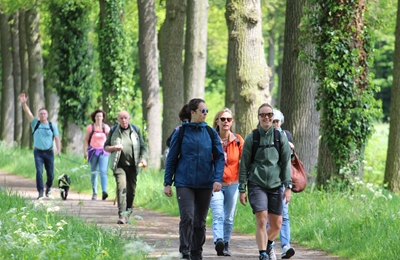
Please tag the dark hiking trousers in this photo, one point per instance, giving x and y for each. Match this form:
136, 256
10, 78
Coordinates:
193, 208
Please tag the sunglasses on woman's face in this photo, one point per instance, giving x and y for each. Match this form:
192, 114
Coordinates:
223, 119
204, 111
264, 115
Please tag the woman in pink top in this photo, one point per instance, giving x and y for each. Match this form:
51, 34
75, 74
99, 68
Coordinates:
93, 149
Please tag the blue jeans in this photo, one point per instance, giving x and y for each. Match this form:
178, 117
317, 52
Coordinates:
99, 164
285, 229
46, 158
223, 206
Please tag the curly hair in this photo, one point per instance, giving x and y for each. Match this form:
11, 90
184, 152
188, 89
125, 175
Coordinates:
93, 115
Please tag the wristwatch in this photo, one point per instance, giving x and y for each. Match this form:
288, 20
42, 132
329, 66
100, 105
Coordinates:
290, 186
166, 184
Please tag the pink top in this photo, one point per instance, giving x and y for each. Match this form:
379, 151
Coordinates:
98, 137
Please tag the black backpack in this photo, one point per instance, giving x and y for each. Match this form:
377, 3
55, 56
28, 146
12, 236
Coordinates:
256, 143
37, 126
91, 134
182, 131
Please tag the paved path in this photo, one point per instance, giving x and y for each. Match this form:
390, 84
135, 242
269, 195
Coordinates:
158, 230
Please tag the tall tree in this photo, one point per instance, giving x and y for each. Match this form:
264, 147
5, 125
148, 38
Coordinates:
34, 47
345, 95
195, 49
18, 121
70, 69
149, 81
392, 170
247, 71
298, 88
7, 80
171, 47
24, 62
115, 64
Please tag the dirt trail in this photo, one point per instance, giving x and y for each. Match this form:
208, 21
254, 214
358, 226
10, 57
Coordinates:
156, 229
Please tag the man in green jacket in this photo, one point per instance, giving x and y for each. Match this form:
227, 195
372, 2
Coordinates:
264, 176
128, 154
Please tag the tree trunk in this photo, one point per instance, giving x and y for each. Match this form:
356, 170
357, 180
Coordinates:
149, 81
195, 49
392, 170
299, 89
36, 86
7, 93
171, 47
326, 165
24, 62
247, 69
271, 63
17, 78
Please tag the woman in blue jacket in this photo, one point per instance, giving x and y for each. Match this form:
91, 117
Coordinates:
195, 165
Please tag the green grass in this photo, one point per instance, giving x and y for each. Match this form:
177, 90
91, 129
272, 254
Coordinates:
41, 231
360, 224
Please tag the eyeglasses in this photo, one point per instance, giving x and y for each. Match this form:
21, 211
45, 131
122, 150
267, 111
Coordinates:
275, 121
264, 115
204, 111
223, 119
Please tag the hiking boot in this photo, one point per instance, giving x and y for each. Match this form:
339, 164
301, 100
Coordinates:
219, 247
270, 251
287, 252
263, 257
105, 195
184, 256
226, 250
121, 220
47, 191
94, 196
40, 194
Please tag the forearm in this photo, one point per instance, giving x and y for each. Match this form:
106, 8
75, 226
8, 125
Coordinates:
58, 144
27, 112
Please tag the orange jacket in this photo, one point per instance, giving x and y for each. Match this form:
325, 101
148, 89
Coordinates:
234, 153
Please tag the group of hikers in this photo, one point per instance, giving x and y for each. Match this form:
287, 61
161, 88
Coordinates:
210, 167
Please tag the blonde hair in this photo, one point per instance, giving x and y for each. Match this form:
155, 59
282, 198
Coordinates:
218, 115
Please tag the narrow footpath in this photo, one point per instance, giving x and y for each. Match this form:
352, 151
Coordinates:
158, 230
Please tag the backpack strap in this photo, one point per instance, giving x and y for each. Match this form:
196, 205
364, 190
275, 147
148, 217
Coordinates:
182, 131
256, 142
37, 126
133, 126
90, 137
237, 140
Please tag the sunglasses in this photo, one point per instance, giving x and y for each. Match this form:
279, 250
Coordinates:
264, 115
223, 119
204, 111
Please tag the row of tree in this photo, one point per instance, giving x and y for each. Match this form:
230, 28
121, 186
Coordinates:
325, 84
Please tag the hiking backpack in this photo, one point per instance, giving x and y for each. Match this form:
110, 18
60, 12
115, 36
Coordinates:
91, 134
37, 126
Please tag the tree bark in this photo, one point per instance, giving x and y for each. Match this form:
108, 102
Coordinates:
247, 68
195, 49
299, 89
7, 80
36, 85
392, 170
23, 55
149, 81
17, 78
171, 47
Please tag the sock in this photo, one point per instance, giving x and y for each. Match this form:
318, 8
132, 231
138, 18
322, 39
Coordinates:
270, 242
263, 252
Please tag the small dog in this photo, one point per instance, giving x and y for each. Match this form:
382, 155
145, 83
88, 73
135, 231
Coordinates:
63, 183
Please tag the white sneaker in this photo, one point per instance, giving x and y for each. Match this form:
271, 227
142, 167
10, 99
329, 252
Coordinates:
270, 251
287, 252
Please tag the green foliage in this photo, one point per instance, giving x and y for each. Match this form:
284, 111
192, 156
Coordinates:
346, 94
42, 231
70, 60
115, 64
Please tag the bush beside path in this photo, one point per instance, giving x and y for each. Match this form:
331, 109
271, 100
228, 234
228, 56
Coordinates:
158, 230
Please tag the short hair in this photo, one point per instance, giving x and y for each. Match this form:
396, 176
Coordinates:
93, 115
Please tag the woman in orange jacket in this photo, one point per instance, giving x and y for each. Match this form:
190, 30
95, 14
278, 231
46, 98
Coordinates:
223, 203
